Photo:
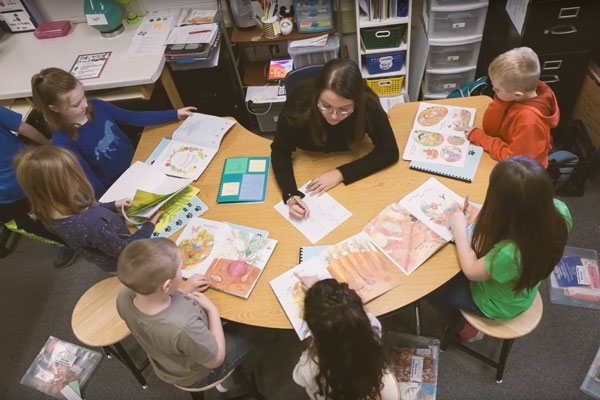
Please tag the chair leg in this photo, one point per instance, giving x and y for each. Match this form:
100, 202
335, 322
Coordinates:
125, 359
417, 319
506, 345
450, 333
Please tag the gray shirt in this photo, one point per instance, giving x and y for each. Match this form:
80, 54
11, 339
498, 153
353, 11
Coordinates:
176, 340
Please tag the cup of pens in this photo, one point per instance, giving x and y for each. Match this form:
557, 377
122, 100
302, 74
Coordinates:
270, 27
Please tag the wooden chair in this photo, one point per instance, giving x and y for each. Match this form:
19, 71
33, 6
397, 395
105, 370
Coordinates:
96, 323
198, 393
508, 331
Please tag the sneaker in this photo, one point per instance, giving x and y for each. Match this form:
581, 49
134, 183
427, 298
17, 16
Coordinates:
65, 258
469, 333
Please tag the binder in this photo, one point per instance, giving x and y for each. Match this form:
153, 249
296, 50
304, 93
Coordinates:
244, 180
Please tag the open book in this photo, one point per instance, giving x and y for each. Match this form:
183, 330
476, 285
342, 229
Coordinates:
193, 146
149, 188
231, 259
354, 260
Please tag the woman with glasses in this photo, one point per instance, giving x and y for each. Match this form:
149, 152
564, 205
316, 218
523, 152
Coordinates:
332, 112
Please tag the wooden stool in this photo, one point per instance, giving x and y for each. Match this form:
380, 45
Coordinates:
508, 331
198, 393
96, 323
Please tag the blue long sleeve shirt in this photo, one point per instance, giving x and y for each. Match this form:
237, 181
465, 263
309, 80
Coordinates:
98, 234
101, 148
10, 146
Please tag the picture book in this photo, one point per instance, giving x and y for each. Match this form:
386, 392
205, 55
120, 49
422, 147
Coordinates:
59, 364
355, 261
326, 214
149, 188
231, 259
259, 232
193, 145
308, 252
465, 173
192, 209
407, 241
244, 180
438, 134
431, 203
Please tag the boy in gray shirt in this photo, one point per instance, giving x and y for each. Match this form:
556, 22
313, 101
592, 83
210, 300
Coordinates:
179, 328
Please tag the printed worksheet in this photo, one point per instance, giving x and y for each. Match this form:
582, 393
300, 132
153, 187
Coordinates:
326, 214
438, 134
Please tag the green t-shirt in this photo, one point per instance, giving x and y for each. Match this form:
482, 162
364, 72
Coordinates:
495, 297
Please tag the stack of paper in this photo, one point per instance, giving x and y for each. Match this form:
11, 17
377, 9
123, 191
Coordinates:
317, 41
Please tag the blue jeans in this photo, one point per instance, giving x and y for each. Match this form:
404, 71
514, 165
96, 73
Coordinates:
451, 297
245, 345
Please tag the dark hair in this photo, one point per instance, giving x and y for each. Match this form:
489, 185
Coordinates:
350, 355
343, 77
519, 207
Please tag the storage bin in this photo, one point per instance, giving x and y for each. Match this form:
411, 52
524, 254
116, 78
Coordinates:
313, 15
315, 55
455, 21
385, 62
267, 115
442, 3
387, 86
456, 54
385, 37
436, 83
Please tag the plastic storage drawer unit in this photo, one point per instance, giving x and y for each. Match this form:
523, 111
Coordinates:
313, 15
456, 54
442, 3
456, 21
385, 62
443, 83
315, 55
386, 37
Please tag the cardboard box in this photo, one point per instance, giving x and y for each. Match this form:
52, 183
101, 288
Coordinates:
588, 103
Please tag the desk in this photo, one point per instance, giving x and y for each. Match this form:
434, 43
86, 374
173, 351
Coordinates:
22, 55
365, 199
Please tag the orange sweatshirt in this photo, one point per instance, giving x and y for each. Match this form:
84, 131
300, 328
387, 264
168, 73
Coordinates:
519, 128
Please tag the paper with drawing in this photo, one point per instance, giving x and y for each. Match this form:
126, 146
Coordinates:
326, 214
438, 134
231, 259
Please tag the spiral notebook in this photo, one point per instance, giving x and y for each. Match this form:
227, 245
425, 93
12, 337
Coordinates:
307, 252
244, 180
466, 173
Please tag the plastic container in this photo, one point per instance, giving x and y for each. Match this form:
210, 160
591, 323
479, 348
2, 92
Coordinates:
436, 83
52, 29
591, 383
387, 86
442, 3
267, 115
455, 21
579, 296
456, 54
315, 55
385, 62
386, 37
313, 15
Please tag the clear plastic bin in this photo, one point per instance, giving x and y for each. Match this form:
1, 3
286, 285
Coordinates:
456, 21
315, 55
459, 54
591, 383
436, 83
442, 3
313, 15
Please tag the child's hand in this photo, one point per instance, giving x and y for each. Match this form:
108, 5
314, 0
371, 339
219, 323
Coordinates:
324, 182
123, 204
467, 130
195, 283
307, 280
203, 301
185, 112
457, 220
154, 218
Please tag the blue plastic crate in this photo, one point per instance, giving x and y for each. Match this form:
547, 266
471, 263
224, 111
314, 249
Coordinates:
385, 62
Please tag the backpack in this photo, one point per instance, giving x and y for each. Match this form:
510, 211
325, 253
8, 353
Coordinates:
480, 86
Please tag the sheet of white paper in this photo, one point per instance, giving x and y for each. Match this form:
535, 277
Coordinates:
152, 33
326, 214
516, 10
202, 33
316, 41
184, 160
203, 130
145, 177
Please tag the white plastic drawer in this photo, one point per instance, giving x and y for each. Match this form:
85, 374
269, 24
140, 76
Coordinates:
445, 23
443, 55
443, 83
443, 3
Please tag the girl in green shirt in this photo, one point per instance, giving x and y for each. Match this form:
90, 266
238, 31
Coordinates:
519, 237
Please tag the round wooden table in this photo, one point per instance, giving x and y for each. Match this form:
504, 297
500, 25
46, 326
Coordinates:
365, 199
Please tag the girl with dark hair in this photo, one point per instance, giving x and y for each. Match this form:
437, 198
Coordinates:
331, 113
345, 360
519, 237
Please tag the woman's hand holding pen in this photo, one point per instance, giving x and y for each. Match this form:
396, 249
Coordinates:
324, 182
297, 208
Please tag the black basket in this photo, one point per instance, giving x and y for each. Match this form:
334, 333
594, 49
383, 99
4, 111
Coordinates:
569, 176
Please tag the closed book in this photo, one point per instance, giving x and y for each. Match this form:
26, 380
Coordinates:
466, 173
244, 180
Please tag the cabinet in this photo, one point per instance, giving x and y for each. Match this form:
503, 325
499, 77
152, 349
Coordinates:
383, 43
563, 33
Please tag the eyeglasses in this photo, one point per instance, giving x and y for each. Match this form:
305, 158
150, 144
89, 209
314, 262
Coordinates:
331, 111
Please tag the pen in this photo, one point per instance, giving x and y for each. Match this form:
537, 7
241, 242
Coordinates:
294, 201
194, 32
466, 205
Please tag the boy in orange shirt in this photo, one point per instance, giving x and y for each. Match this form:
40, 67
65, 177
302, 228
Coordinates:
524, 109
